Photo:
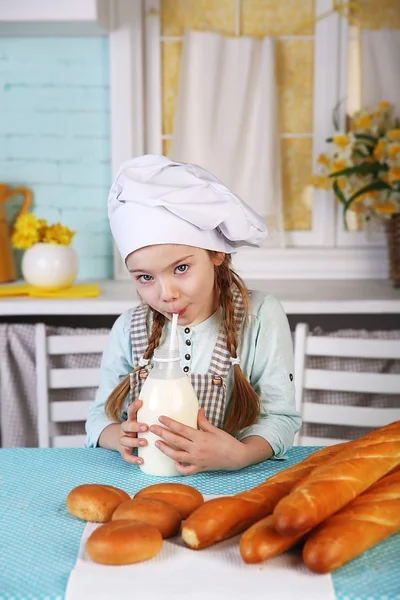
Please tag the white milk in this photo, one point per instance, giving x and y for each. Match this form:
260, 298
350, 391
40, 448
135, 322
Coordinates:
167, 391
174, 398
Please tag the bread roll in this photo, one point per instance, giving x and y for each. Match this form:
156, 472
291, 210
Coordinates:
370, 518
95, 502
338, 481
164, 516
261, 541
123, 543
220, 518
184, 497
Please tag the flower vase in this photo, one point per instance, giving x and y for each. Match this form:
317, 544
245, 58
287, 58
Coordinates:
50, 266
393, 242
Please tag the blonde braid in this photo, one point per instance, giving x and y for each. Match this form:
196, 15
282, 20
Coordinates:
245, 407
116, 399
155, 335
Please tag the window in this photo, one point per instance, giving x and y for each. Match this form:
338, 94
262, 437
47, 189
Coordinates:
316, 242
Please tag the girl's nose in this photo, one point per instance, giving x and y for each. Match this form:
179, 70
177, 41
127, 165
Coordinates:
168, 293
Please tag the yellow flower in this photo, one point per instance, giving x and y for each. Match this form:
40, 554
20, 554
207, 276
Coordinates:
384, 208
25, 232
364, 121
394, 174
323, 160
341, 140
42, 224
349, 149
356, 207
58, 234
29, 230
393, 135
338, 165
379, 150
366, 196
394, 149
320, 181
22, 240
26, 223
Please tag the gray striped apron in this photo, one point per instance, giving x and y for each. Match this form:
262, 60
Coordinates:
210, 387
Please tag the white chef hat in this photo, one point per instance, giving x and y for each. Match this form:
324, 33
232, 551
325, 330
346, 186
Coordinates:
154, 200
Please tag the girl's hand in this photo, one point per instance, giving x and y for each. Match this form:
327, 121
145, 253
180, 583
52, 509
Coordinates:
205, 449
128, 434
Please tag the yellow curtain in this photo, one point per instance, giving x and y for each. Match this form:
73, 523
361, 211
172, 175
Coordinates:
376, 14
365, 14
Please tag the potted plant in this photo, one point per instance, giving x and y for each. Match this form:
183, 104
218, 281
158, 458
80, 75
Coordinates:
49, 262
362, 167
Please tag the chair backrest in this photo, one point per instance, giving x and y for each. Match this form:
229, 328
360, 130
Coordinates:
48, 378
307, 378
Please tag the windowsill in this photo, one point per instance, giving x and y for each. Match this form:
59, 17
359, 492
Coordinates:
313, 263
369, 262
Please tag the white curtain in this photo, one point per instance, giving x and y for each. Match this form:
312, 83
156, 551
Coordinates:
380, 67
227, 119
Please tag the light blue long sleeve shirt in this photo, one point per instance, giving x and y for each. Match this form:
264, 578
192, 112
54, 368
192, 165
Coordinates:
266, 359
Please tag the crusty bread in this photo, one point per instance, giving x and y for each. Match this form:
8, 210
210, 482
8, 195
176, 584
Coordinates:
123, 543
337, 481
184, 497
261, 541
164, 516
95, 502
226, 516
370, 518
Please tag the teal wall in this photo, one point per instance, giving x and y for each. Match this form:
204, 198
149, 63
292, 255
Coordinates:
55, 136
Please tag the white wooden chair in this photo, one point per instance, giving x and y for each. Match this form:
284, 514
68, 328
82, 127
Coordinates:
47, 378
343, 381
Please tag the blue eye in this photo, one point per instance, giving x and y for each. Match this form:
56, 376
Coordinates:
182, 268
144, 278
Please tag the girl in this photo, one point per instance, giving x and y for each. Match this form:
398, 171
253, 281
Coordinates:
176, 227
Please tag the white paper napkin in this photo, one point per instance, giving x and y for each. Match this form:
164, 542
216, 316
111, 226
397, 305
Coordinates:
215, 572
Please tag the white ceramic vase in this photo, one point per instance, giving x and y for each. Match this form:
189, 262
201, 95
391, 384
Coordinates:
50, 266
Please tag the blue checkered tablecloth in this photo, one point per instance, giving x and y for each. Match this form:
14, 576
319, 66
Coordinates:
39, 540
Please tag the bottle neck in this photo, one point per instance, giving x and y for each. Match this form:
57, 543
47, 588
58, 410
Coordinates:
166, 369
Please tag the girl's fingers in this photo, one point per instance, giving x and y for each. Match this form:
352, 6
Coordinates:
131, 442
129, 458
176, 455
185, 469
203, 423
132, 410
180, 443
133, 427
182, 430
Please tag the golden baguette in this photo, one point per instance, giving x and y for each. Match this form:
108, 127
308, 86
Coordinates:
339, 480
223, 517
369, 519
261, 541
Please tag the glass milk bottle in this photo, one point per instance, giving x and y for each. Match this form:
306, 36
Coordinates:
167, 391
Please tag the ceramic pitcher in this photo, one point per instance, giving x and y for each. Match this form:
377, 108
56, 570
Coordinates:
7, 263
